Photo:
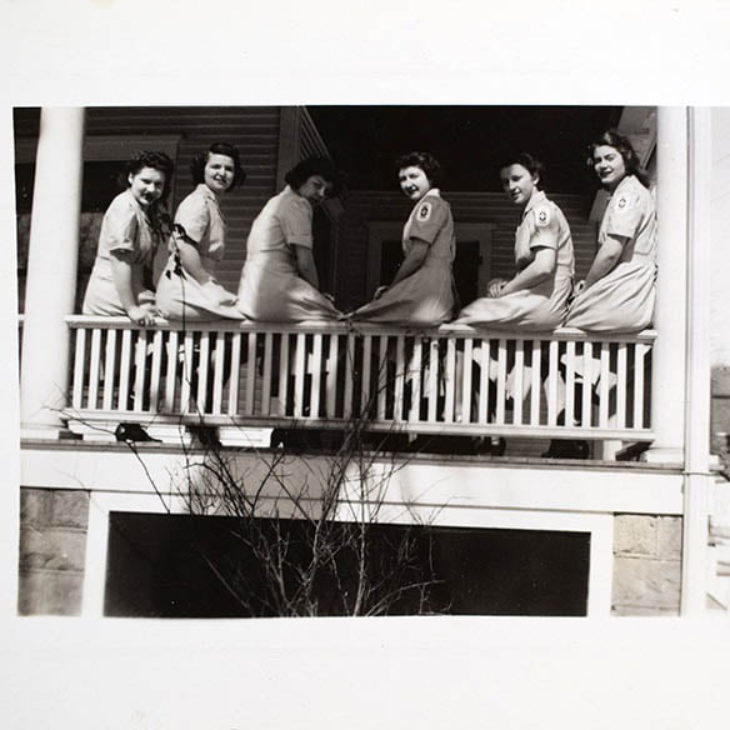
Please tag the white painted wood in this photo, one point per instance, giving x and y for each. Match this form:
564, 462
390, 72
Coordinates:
535, 389
156, 368
300, 352
172, 371
267, 375
316, 361
331, 380
203, 366
218, 367
125, 368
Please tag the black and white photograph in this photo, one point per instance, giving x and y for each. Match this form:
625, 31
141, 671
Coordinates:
365, 381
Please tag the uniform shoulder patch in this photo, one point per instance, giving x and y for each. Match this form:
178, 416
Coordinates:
543, 216
424, 212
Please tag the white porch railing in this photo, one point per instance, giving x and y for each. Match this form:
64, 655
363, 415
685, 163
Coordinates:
446, 380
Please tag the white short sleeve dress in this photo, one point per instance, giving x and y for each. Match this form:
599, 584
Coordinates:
179, 295
270, 288
425, 298
541, 307
623, 300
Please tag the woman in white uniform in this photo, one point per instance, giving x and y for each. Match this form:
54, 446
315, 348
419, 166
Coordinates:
618, 292
536, 297
131, 231
279, 281
188, 289
423, 291
133, 227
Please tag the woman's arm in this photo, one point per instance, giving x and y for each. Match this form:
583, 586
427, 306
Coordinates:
413, 261
190, 261
122, 273
540, 268
606, 259
306, 266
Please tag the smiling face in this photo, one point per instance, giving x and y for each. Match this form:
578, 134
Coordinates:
413, 182
147, 185
518, 183
219, 172
315, 189
609, 165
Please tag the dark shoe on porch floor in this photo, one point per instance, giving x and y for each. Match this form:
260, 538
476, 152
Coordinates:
132, 432
567, 449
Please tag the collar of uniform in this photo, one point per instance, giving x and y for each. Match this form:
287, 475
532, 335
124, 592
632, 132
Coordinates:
628, 181
537, 198
432, 191
136, 204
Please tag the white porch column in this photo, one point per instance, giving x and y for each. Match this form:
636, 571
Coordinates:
52, 260
669, 361
698, 480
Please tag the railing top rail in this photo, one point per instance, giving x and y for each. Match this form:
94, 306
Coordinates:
77, 321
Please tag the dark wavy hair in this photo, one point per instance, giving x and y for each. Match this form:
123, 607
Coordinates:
622, 144
157, 161
322, 166
200, 160
426, 161
530, 163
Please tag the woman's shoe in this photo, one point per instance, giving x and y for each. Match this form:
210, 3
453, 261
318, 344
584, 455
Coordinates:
132, 432
567, 449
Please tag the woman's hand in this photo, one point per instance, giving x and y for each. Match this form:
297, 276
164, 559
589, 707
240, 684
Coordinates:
379, 292
142, 314
495, 286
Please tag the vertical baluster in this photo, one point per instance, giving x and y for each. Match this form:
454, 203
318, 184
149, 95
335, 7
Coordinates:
172, 368
125, 367
140, 359
484, 382
433, 380
414, 370
267, 367
519, 379
382, 376
109, 356
300, 354
639, 355
283, 373
316, 369
466, 389
187, 372
501, 380
203, 374
569, 382
603, 385
400, 373
621, 386
349, 371
332, 361
234, 379
217, 361
79, 361
250, 403
587, 415
449, 381
552, 378
535, 386
95, 369
367, 353
156, 370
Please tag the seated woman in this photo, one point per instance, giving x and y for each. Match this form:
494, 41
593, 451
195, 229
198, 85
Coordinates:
187, 289
536, 297
279, 281
618, 292
131, 231
422, 292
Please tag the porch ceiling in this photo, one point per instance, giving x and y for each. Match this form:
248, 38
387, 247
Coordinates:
469, 141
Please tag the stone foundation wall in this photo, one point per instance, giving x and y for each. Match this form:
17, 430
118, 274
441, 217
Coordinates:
53, 525
647, 565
